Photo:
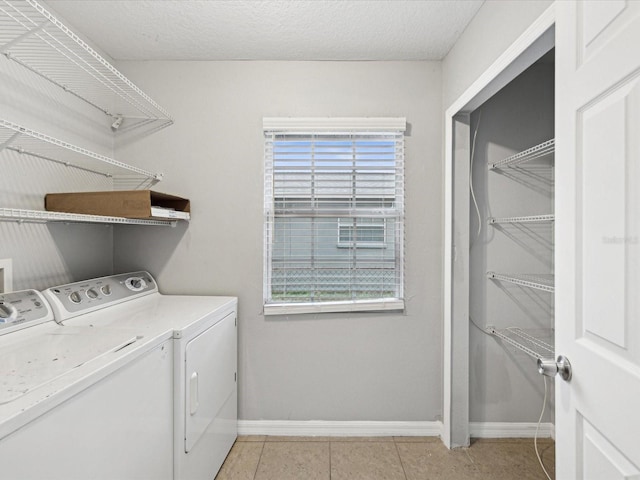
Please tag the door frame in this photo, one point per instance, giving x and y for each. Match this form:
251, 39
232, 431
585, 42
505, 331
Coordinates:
527, 48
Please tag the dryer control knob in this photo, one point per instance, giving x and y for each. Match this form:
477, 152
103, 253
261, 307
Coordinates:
135, 283
7, 311
92, 293
75, 297
106, 289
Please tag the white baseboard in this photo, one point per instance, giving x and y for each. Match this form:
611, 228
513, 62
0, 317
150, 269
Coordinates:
316, 428
510, 430
321, 428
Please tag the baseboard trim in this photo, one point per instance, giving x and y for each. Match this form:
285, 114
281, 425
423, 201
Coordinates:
510, 430
316, 428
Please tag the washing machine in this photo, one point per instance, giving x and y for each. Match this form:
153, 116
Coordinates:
178, 402
203, 330
63, 414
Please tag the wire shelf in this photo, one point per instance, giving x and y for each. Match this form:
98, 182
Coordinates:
41, 216
538, 151
25, 141
525, 219
529, 342
34, 38
537, 281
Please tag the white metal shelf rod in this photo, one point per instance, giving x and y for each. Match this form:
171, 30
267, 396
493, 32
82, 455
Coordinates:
532, 153
524, 219
5, 48
23, 151
96, 56
530, 338
82, 151
512, 342
94, 73
41, 216
76, 60
61, 57
525, 281
63, 86
514, 162
546, 350
9, 141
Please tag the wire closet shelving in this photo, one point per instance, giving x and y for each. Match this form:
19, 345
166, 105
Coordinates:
41, 216
524, 219
24, 141
535, 343
34, 38
539, 151
536, 281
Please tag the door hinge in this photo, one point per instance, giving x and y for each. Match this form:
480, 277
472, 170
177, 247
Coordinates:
235, 376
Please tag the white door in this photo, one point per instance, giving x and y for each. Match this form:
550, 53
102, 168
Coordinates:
598, 238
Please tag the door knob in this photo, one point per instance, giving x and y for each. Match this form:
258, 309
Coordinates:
550, 368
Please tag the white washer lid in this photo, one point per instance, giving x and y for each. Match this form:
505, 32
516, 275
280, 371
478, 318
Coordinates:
50, 353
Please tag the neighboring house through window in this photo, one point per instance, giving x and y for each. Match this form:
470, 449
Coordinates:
334, 214
361, 233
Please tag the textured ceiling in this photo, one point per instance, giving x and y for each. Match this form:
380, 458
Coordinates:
271, 29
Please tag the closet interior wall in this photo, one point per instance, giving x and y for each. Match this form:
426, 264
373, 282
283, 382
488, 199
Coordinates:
48, 254
504, 383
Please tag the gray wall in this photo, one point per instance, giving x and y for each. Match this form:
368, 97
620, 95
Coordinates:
303, 367
49, 254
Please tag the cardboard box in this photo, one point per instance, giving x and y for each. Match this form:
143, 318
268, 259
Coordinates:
123, 203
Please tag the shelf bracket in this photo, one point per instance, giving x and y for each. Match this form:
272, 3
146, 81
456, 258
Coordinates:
5, 49
9, 141
116, 123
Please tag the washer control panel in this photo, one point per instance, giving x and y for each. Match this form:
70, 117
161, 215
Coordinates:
78, 298
22, 309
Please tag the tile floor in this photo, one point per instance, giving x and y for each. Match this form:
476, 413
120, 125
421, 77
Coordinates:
384, 458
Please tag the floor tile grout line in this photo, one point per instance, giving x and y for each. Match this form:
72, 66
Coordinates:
255, 474
404, 472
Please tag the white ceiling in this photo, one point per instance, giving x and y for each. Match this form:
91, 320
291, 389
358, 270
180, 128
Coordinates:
270, 29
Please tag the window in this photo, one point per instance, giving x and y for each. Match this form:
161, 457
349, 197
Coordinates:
361, 233
334, 215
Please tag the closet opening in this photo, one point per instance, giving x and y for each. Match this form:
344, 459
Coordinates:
499, 247
511, 254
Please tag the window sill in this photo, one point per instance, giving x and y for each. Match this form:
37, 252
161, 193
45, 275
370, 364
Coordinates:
379, 305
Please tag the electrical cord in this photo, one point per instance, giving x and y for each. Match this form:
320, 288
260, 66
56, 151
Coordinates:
478, 326
535, 438
475, 202
473, 195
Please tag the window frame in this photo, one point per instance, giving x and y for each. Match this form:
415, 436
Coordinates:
274, 127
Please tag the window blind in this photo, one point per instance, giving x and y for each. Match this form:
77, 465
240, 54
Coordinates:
334, 219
